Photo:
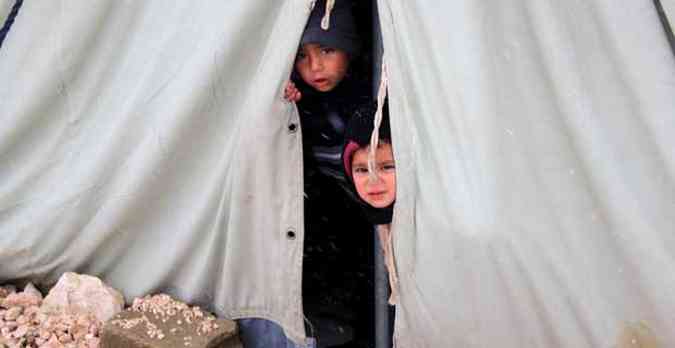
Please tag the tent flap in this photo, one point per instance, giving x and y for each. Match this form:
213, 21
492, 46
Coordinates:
533, 143
148, 143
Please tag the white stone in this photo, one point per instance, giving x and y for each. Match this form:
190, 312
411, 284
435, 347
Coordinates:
13, 313
31, 289
75, 293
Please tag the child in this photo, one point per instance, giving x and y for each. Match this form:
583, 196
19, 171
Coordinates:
376, 190
325, 52
325, 90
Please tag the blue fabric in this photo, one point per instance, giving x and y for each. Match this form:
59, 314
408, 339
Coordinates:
263, 333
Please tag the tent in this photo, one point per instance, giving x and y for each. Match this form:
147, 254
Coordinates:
147, 142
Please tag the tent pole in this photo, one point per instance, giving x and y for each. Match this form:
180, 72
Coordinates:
382, 320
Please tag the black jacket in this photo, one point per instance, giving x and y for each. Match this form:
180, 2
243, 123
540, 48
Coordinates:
324, 117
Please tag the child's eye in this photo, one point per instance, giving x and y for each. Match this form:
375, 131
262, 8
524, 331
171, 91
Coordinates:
389, 167
327, 50
301, 55
360, 170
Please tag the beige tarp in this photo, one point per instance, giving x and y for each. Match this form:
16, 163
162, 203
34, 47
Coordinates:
147, 142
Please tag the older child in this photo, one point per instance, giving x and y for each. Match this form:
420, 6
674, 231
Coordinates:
325, 89
377, 190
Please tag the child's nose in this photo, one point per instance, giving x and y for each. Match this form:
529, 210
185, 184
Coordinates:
315, 63
375, 180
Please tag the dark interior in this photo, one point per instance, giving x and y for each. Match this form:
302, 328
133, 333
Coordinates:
338, 273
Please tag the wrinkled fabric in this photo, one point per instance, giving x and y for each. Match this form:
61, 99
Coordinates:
148, 143
534, 153
669, 9
5, 8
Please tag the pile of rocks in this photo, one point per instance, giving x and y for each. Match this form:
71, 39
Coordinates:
80, 311
70, 316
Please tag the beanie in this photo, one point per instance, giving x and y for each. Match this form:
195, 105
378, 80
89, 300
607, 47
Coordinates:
341, 32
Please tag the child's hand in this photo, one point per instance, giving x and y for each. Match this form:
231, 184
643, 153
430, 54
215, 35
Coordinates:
291, 93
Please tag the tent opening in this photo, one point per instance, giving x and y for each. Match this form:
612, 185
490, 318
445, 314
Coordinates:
338, 266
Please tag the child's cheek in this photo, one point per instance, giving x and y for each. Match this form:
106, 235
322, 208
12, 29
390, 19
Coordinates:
360, 184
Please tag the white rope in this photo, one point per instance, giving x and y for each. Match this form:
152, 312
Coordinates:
375, 136
325, 21
384, 233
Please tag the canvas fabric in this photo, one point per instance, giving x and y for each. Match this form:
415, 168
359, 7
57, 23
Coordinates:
669, 9
535, 170
148, 143
5, 7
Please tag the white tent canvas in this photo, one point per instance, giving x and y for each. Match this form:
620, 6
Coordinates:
148, 143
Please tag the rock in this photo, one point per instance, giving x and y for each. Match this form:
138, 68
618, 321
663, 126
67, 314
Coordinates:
20, 331
6, 290
56, 330
13, 313
30, 296
24, 324
31, 289
93, 342
52, 343
31, 311
76, 293
160, 321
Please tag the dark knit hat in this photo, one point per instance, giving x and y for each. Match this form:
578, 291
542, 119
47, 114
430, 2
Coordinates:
357, 136
341, 32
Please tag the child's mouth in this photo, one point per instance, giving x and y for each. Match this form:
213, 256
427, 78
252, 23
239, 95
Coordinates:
320, 81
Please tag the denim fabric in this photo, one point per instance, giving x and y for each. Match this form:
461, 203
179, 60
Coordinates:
262, 333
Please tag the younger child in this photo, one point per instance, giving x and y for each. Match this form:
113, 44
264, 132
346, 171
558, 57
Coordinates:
376, 190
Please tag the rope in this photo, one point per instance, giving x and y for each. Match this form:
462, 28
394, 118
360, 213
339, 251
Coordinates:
375, 136
10, 20
325, 21
384, 232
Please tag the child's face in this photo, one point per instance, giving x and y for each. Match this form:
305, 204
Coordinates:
321, 67
381, 192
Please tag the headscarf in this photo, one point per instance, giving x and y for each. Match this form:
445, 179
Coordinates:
357, 136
